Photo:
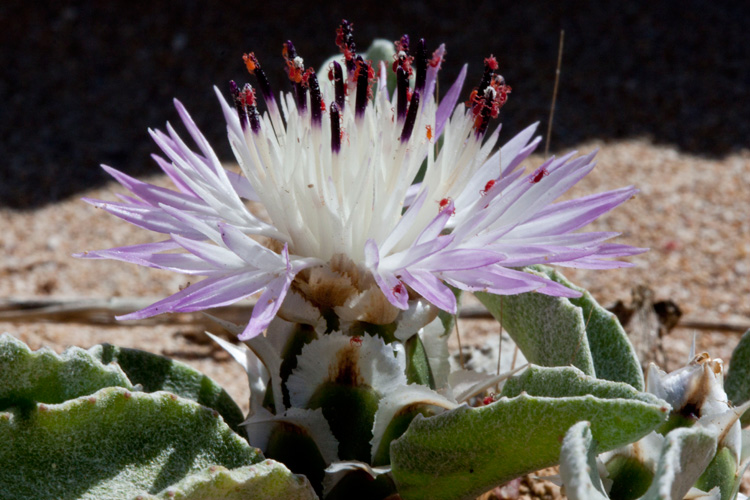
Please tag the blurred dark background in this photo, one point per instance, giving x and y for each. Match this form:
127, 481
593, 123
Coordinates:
82, 81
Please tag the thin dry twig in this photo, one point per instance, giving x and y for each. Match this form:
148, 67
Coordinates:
554, 92
103, 311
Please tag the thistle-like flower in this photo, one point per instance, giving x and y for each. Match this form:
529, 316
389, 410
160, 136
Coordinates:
348, 232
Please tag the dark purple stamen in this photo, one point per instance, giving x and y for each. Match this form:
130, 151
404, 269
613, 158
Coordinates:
402, 86
239, 105
290, 50
295, 75
411, 117
345, 41
405, 43
338, 84
362, 88
316, 103
421, 63
265, 87
251, 108
335, 128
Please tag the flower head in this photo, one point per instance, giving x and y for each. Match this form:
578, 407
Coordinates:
348, 231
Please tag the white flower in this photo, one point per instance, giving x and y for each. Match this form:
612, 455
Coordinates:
348, 230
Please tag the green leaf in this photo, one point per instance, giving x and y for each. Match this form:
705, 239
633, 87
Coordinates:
721, 472
291, 445
350, 411
567, 381
269, 480
113, 444
548, 330
448, 319
684, 456
466, 451
614, 355
28, 377
578, 468
417, 366
557, 331
630, 477
158, 373
737, 383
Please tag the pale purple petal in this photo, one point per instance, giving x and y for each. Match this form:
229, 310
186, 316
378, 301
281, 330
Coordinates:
211, 292
431, 288
492, 279
172, 173
135, 254
242, 186
434, 228
460, 259
269, 302
448, 103
155, 195
415, 254
247, 248
388, 283
218, 257
432, 71
151, 218
566, 216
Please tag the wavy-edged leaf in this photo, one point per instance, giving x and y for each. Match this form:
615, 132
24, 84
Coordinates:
550, 331
113, 444
737, 383
269, 480
159, 373
558, 331
567, 381
43, 376
463, 452
578, 468
614, 356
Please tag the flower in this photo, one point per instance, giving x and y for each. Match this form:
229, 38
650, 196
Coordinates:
348, 231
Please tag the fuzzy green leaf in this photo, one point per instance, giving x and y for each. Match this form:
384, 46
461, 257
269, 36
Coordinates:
578, 465
269, 480
614, 355
548, 330
567, 381
684, 456
555, 331
721, 472
417, 365
158, 373
43, 376
112, 444
463, 452
737, 383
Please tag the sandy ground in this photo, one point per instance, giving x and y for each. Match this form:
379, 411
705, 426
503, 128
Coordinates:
693, 214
